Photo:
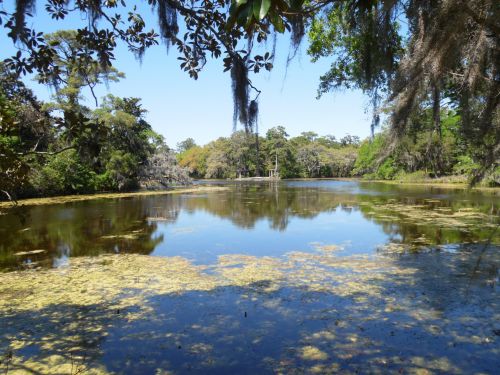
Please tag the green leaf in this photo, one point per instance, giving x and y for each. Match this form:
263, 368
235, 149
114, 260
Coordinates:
264, 8
261, 8
277, 22
279, 26
233, 13
241, 2
256, 8
282, 5
244, 14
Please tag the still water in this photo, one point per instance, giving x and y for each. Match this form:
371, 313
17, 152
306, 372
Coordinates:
254, 219
295, 277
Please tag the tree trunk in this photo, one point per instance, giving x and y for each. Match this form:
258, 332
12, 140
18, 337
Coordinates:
435, 148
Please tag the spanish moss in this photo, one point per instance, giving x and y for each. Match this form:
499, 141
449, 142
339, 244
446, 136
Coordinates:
240, 87
253, 114
298, 30
167, 19
465, 52
94, 9
22, 8
375, 113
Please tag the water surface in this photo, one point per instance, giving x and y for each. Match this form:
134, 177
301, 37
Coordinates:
296, 277
254, 219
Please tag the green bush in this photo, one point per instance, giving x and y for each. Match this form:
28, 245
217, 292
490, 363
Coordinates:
104, 182
492, 179
368, 153
122, 170
387, 170
417, 176
465, 165
64, 174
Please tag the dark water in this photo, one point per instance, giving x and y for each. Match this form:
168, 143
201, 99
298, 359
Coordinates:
389, 280
255, 219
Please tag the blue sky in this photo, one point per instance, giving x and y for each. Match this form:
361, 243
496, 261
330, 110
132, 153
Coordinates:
180, 107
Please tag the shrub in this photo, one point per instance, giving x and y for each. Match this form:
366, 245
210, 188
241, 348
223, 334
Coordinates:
417, 176
387, 170
465, 165
64, 174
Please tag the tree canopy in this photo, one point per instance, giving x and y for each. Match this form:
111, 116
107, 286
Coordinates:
409, 56
63, 147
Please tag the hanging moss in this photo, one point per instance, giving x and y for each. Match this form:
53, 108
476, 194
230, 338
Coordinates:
375, 123
167, 19
298, 30
253, 114
94, 7
22, 7
240, 86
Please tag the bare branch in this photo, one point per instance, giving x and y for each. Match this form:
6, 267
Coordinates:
48, 153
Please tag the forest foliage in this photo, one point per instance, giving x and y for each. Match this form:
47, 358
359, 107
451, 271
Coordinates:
64, 147
307, 155
405, 55
437, 81
311, 156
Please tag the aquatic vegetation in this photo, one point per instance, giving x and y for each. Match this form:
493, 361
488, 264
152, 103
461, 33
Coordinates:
321, 247
158, 218
311, 353
392, 247
245, 270
421, 215
320, 313
99, 280
431, 223
185, 230
129, 236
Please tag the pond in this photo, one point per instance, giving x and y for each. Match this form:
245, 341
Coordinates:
305, 276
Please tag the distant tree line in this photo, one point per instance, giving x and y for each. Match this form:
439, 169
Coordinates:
307, 155
310, 155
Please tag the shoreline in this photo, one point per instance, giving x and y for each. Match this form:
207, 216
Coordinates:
430, 183
61, 199
438, 184
86, 197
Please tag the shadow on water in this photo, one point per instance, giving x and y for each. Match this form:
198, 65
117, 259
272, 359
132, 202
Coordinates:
437, 312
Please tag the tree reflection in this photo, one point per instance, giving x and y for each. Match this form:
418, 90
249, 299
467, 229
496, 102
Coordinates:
77, 229
48, 235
